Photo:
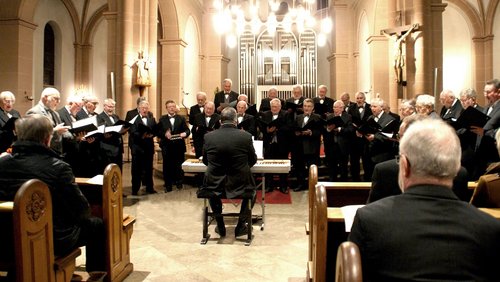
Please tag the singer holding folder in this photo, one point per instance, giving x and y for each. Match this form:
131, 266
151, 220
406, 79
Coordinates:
172, 130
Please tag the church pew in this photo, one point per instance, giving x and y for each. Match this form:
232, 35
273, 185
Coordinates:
348, 264
107, 202
356, 193
27, 237
316, 266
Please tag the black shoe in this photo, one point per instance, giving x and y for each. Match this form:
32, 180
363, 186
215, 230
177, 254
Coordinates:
134, 193
221, 232
241, 230
151, 192
179, 186
284, 190
168, 189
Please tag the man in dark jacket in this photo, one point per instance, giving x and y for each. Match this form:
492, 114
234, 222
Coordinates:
172, 130
32, 158
427, 233
229, 154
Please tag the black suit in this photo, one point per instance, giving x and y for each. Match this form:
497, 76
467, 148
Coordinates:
193, 111
306, 148
337, 144
82, 114
200, 128
172, 150
229, 154
265, 104
426, 234
131, 114
455, 110
220, 98
323, 108
111, 146
7, 137
385, 182
248, 124
276, 144
142, 148
486, 150
381, 148
358, 147
78, 160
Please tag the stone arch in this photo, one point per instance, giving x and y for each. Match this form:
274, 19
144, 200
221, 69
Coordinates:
94, 20
472, 16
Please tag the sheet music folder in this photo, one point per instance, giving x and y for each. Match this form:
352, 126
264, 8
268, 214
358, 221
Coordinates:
471, 117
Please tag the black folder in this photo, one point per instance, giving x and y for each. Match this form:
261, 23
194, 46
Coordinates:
244, 124
84, 128
293, 106
471, 117
10, 124
252, 110
337, 120
369, 127
277, 122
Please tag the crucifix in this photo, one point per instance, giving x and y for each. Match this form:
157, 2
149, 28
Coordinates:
398, 35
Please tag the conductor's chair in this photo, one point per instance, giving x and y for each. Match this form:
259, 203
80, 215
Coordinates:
209, 215
348, 266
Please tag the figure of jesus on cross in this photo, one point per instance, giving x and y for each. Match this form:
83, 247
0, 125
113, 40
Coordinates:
399, 37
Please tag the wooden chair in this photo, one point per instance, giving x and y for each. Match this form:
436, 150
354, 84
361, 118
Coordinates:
348, 266
317, 265
31, 215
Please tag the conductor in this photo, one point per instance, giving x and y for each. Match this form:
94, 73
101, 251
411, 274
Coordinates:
229, 154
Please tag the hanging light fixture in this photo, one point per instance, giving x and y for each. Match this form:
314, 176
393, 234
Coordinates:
234, 17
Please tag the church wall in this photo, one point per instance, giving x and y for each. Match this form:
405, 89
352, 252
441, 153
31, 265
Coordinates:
457, 49
99, 74
55, 12
496, 44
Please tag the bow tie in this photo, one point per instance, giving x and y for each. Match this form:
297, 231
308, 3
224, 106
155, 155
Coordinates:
171, 116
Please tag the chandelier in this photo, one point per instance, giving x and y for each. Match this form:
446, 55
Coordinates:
234, 17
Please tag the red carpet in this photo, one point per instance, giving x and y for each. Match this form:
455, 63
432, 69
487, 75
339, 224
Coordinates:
275, 197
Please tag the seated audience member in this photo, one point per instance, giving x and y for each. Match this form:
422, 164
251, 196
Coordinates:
32, 158
385, 174
7, 136
427, 233
487, 192
229, 154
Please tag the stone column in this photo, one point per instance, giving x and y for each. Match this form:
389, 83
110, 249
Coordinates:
483, 56
428, 47
172, 60
341, 66
16, 55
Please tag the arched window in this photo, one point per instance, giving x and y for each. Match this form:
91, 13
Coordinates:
48, 55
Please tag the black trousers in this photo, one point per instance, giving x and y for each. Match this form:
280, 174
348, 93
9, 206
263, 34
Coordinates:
142, 171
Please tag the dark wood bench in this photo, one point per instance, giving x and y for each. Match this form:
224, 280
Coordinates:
209, 216
27, 221
107, 202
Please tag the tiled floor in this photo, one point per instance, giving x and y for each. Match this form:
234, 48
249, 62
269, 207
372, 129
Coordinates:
165, 245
